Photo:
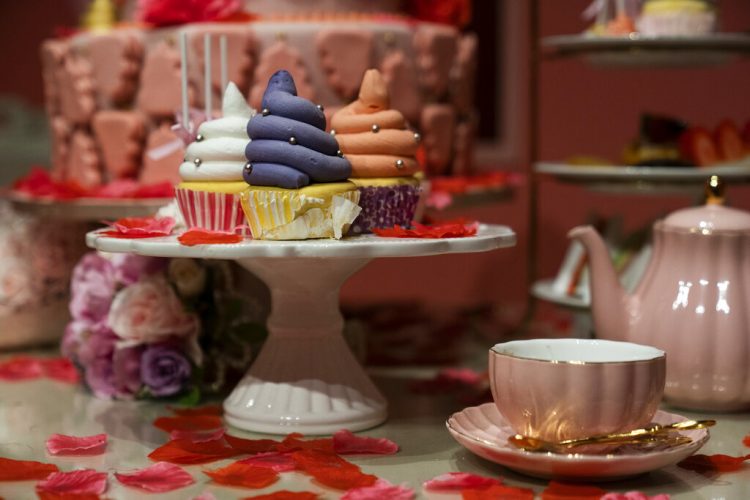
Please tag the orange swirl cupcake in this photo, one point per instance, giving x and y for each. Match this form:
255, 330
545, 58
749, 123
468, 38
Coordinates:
381, 151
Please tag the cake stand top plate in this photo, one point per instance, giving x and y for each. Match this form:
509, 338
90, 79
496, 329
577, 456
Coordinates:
85, 209
488, 237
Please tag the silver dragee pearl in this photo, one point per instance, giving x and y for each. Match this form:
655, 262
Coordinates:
197, 162
320, 107
293, 141
333, 131
339, 153
248, 168
198, 138
417, 137
400, 164
265, 112
375, 128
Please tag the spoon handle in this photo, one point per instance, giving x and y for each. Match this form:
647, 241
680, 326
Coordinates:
638, 433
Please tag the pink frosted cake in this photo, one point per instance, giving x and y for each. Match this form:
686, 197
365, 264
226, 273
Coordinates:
112, 94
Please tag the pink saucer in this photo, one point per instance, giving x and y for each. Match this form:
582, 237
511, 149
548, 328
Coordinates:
483, 431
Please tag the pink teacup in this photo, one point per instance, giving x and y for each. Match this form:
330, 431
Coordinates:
557, 389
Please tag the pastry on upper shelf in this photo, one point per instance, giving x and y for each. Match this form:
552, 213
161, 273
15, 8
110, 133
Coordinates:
297, 175
658, 143
677, 18
381, 150
209, 195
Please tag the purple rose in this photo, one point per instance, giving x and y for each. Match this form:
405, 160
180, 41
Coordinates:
164, 370
109, 371
92, 288
129, 268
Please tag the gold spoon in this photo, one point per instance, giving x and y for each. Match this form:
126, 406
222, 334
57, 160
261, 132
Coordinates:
631, 437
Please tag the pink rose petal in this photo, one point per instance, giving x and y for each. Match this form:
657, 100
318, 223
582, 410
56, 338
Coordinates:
633, 495
347, 443
280, 462
60, 444
206, 495
378, 491
457, 481
143, 226
158, 478
76, 482
197, 436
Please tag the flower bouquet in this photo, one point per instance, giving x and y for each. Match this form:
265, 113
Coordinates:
146, 327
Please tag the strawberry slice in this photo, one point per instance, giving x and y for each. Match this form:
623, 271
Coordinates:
729, 141
698, 147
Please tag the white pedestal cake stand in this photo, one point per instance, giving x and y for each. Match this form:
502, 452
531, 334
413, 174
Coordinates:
305, 378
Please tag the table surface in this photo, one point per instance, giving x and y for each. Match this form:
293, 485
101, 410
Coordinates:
32, 411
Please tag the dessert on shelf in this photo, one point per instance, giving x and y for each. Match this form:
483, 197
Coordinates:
111, 89
381, 149
677, 18
651, 18
297, 176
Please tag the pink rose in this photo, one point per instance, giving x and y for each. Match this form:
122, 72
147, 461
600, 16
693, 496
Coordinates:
129, 268
148, 312
91, 288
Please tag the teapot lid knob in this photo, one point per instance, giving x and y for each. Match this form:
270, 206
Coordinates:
715, 190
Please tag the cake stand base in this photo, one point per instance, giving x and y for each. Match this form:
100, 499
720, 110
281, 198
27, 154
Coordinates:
305, 379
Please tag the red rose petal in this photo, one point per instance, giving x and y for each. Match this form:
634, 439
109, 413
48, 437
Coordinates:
198, 436
251, 446
746, 440
331, 470
205, 237
60, 444
199, 410
45, 495
458, 481
448, 229
566, 491
498, 492
246, 476
713, 464
60, 369
24, 470
141, 227
347, 443
189, 423
21, 368
381, 489
279, 462
76, 482
285, 495
158, 478
294, 442
186, 452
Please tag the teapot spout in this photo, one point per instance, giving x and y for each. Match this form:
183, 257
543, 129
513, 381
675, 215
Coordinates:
608, 297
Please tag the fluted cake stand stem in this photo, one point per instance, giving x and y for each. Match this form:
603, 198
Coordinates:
305, 378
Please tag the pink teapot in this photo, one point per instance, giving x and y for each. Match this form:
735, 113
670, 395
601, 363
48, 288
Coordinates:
693, 302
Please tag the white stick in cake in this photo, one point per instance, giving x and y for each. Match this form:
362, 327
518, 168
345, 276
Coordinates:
223, 56
207, 75
184, 81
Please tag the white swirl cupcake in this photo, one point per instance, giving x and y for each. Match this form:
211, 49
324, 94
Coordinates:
209, 194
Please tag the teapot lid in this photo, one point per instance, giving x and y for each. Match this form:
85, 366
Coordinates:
711, 217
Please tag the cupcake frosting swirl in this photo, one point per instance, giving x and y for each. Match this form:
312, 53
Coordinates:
218, 154
289, 147
374, 138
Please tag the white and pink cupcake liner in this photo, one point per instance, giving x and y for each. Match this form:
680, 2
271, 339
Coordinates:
212, 211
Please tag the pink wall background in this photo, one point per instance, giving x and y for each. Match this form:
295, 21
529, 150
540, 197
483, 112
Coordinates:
581, 110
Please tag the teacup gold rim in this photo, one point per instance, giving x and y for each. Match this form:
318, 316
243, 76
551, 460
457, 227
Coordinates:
658, 355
